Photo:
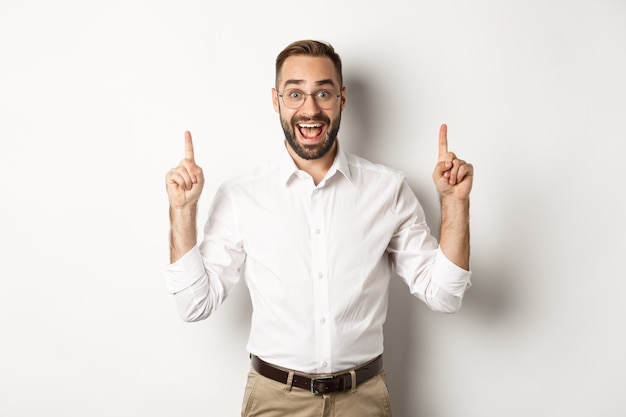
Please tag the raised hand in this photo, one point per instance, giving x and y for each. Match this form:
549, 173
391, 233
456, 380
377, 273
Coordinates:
184, 183
453, 177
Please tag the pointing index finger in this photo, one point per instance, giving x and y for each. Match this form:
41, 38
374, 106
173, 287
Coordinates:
443, 142
188, 147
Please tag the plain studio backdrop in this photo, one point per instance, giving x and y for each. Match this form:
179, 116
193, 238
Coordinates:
95, 98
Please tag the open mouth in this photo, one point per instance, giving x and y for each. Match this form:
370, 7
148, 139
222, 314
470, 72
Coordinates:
310, 131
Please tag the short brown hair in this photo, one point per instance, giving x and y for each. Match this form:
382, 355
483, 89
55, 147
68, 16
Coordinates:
309, 48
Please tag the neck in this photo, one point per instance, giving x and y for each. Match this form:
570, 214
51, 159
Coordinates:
316, 168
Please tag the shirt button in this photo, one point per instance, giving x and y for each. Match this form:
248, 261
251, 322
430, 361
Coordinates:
324, 364
322, 320
320, 275
318, 231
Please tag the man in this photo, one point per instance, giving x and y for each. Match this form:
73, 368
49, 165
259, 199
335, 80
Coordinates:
320, 232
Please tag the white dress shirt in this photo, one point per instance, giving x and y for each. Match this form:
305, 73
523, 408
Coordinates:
318, 260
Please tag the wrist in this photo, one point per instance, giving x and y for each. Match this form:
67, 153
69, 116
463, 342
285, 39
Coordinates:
451, 203
184, 210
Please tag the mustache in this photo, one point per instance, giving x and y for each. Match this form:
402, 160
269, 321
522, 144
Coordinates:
316, 119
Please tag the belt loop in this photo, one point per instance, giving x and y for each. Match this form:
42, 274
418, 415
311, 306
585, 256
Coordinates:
289, 383
353, 376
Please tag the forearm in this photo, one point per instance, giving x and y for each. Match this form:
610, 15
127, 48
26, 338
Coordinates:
455, 234
183, 231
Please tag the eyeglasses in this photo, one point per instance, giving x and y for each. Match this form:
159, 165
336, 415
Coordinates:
294, 98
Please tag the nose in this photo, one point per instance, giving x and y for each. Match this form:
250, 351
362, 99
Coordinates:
310, 106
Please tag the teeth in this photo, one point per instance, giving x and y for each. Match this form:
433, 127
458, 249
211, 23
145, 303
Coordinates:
310, 125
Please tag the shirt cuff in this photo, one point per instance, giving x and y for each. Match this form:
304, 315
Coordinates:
184, 272
450, 277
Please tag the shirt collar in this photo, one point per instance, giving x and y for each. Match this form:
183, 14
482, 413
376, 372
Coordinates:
288, 167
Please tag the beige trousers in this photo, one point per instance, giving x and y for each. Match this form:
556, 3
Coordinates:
265, 397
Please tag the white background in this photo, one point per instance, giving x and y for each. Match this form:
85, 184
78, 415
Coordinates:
94, 100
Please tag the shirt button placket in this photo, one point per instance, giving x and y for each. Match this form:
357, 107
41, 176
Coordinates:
320, 286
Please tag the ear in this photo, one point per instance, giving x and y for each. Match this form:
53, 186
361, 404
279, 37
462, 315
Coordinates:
275, 100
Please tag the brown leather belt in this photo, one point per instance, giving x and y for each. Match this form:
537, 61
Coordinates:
319, 385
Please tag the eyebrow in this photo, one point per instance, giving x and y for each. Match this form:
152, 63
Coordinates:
318, 83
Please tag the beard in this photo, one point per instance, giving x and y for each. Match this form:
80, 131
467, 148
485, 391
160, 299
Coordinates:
314, 151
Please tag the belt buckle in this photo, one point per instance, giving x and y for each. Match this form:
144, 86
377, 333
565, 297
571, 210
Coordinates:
314, 390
